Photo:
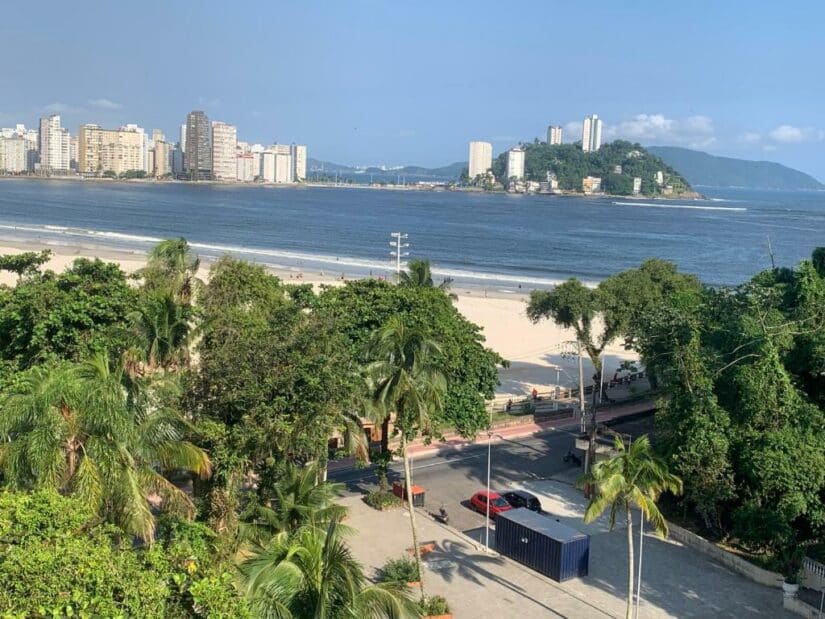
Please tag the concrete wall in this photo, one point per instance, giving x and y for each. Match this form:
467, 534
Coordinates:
734, 562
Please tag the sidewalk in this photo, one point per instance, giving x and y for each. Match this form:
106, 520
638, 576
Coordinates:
676, 582
454, 442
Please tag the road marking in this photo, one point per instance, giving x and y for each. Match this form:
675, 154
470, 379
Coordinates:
445, 461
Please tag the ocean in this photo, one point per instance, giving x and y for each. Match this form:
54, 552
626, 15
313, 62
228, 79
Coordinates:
490, 240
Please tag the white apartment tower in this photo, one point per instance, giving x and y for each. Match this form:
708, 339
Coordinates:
553, 135
54, 145
298, 153
515, 163
591, 133
224, 145
481, 158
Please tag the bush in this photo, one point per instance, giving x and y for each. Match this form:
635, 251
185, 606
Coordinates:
54, 564
382, 499
401, 570
434, 606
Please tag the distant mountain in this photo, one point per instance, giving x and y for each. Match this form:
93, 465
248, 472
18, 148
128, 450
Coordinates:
704, 169
448, 172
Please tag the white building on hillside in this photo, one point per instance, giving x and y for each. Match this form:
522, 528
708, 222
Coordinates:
592, 133
481, 159
553, 135
515, 163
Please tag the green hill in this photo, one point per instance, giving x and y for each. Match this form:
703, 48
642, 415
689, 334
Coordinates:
616, 163
705, 169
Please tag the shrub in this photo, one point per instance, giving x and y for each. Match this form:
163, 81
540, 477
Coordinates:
401, 570
382, 499
433, 606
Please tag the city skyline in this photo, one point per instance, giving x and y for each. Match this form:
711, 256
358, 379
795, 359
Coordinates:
719, 80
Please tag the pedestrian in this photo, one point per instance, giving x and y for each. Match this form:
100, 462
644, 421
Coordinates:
535, 394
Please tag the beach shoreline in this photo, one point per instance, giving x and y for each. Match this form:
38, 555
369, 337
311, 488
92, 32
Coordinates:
540, 355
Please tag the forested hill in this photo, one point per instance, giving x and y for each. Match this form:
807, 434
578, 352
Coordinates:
705, 169
616, 163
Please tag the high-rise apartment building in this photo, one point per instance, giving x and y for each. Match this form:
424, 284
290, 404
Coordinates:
54, 144
276, 164
30, 138
13, 154
110, 150
298, 153
224, 144
481, 158
245, 167
198, 152
162, 158
553, 135
591, 133
515, 163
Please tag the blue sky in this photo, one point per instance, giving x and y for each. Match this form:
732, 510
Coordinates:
369, 82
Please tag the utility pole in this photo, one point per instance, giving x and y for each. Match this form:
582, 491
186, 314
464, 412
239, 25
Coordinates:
398, 245
582, 424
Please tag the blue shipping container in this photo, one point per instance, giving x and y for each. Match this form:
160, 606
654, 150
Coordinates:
539, 542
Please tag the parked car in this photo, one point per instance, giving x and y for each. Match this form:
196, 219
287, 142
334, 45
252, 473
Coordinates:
521, 498
497, 503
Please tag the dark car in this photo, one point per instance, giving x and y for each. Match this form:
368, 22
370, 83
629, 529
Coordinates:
520, 498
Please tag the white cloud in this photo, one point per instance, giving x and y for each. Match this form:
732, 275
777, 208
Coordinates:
750, 137
572, 131
58, 108
769, 148
788, 134
695, 131
105, 104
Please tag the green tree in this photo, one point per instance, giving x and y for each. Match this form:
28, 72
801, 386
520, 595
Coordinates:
360, 307
291, 387
68, 316
575, 306
172, 267
311, 573
162, 328
419, 275
27, 263
297, 499
633, 477
77, 429
410, 385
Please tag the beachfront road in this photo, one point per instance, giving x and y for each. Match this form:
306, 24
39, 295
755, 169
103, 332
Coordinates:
450, 478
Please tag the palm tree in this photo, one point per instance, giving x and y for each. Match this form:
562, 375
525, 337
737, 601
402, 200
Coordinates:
408, 384
90, 430
162, 328
299, 500
171, 266
311, 574
419, 275
633, 477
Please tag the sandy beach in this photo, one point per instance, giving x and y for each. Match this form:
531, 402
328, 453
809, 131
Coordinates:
539, 354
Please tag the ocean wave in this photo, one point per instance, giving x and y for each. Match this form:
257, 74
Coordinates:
683, 206
284, 259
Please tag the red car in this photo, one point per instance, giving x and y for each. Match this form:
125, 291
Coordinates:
497, 503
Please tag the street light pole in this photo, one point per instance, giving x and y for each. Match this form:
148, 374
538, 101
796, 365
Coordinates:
398, 245
489, 458
583, 426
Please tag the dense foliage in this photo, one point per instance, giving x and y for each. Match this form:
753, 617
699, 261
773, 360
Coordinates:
359, 308
55, 561
570, 164
743, 417
66, 316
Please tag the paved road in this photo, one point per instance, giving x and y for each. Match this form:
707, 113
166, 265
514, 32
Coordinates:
452, 477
